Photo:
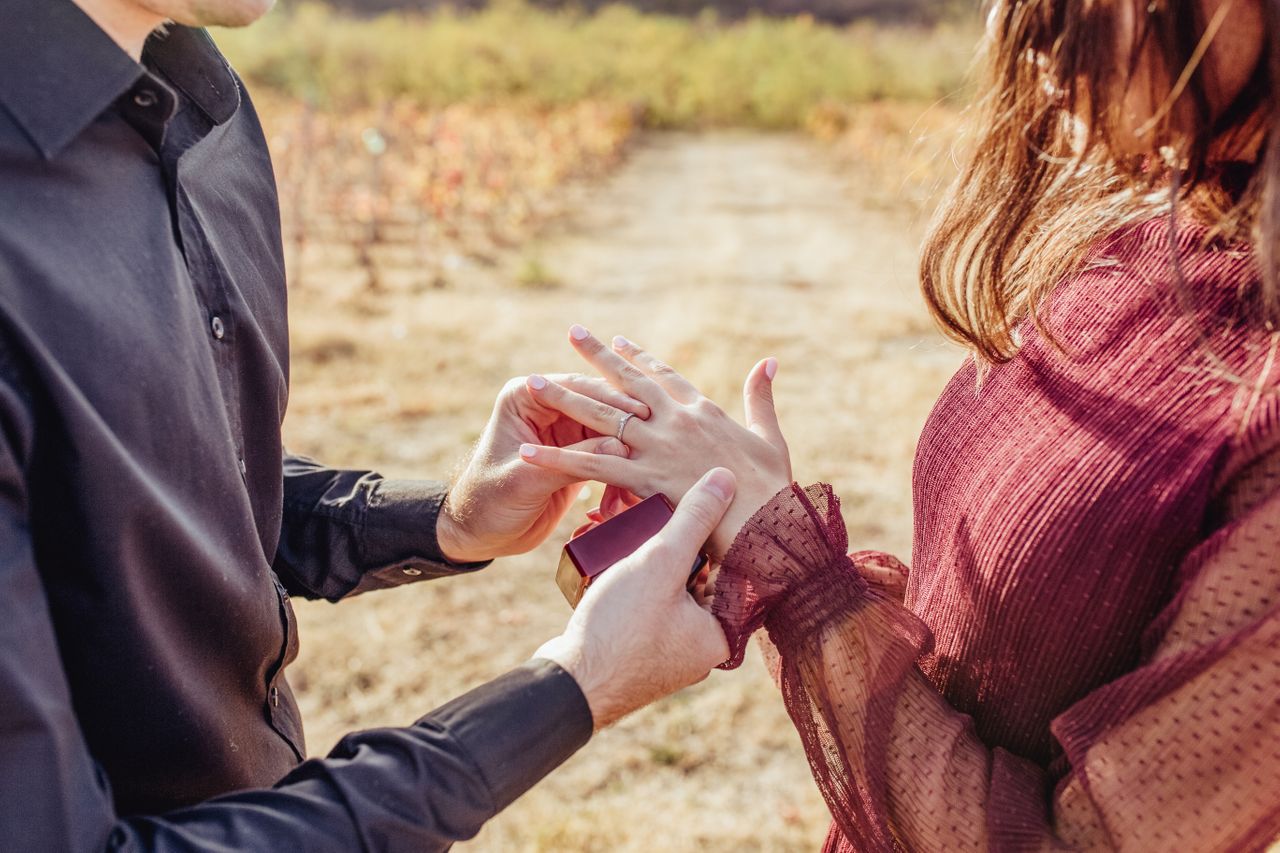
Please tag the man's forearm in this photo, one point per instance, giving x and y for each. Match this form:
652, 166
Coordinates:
349, 531
419, 788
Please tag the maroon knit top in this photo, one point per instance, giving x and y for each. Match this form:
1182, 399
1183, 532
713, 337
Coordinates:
1086, 653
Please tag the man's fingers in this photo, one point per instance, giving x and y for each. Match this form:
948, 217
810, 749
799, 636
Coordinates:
580, 466
554, 479
757, 400
695, 518
616, 500
591, 413
599, 389
605, 445
680, 389
617, 369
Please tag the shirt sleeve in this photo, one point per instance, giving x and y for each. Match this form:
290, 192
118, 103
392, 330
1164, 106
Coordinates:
344, 532
417, 788
1182, 753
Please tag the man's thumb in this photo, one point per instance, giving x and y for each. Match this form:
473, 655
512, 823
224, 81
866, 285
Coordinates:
700, 511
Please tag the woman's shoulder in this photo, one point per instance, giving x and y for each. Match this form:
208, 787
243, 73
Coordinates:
1160, 286
1182, 264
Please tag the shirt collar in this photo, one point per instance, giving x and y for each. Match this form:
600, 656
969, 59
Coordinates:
190, 61
59, 70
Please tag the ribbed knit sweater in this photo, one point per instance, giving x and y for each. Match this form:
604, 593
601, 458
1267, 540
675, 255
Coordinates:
1086, 653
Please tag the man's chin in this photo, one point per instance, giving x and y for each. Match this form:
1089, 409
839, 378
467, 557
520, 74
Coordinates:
219, 13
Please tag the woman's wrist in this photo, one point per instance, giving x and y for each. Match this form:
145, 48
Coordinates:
746, 505
787, 569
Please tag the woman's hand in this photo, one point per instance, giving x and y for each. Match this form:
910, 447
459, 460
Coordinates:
684, 436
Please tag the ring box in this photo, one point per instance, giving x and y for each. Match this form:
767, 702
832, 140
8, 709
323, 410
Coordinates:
594, 549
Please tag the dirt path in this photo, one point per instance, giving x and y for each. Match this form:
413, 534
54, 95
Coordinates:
717, 249
731, 212
712, 250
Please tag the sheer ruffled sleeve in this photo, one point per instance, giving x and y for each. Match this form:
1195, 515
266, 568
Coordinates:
1181, 753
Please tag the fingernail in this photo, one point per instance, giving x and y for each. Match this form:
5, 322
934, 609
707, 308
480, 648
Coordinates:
771, 368
720, 483
619, 342
537, 382
578, 333
528, 451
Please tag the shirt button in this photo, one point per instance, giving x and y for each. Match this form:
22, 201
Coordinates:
219, 328
145, 98
412, 572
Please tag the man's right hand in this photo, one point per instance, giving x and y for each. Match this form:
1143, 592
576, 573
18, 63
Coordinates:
638, 635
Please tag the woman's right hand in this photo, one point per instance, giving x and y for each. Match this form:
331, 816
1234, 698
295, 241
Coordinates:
684, 436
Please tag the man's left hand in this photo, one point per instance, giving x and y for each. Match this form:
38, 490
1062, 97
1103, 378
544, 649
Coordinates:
501, 506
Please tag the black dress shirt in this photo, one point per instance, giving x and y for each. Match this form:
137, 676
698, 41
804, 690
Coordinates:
152, 528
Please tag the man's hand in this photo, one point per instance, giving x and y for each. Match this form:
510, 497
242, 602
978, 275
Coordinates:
638, 635
501, 506
685, 435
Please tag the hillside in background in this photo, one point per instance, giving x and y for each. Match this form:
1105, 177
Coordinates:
835, 11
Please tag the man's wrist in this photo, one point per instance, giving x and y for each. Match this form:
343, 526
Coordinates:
570, 654
452, 540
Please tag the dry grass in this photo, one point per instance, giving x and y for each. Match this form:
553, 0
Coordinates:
713, 250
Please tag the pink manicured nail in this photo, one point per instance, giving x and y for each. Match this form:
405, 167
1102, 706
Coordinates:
619, 342
528, 451
720, 483
771, 368
578, 333
537, 382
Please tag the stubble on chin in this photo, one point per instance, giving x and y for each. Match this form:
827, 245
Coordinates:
211, 13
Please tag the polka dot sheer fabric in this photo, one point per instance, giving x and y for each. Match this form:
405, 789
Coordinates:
1086, 653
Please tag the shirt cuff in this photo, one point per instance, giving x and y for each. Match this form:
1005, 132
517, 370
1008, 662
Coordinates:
399, 535
519, 727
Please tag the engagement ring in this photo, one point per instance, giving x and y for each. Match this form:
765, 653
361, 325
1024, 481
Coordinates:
622, 424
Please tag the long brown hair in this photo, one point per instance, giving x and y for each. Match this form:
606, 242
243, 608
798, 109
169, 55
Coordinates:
1048, 172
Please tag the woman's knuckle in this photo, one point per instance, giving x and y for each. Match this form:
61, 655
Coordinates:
703, 407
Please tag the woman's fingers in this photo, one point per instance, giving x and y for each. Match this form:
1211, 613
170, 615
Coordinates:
673, 383
617, 369
600, 389
591, 413
612, 470
757, 400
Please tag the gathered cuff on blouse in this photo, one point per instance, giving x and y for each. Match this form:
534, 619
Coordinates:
787, 570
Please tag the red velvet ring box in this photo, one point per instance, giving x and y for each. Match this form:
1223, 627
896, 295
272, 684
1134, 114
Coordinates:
588, 554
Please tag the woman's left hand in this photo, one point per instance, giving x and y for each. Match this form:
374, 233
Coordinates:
684, 436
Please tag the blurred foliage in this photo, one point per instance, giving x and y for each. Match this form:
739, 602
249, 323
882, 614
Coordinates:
669, 71
835, 11
437, 186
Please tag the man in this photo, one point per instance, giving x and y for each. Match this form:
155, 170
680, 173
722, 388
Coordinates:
152, 527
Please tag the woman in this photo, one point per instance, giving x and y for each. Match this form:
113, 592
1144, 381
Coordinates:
1087, 652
